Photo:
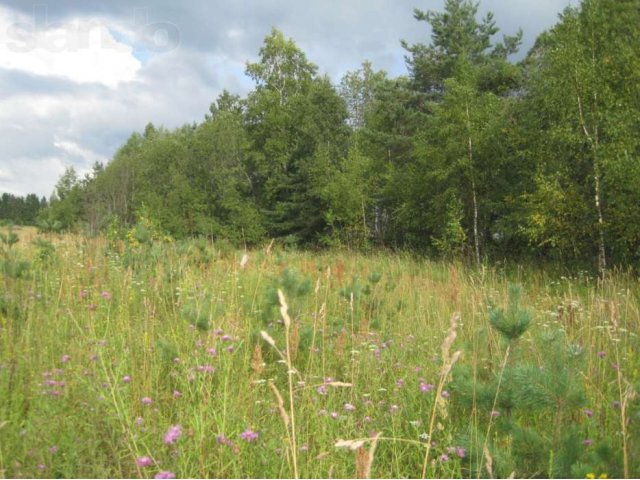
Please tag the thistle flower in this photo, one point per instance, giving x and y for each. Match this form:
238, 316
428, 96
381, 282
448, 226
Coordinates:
106, 295
426, 387
144, 462
165, 474
249, 435
174, 432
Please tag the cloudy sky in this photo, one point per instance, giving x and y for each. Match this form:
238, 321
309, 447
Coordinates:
76, 78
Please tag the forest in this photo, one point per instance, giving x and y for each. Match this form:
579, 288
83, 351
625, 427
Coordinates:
469, 155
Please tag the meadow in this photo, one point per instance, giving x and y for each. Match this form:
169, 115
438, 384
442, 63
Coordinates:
147, 358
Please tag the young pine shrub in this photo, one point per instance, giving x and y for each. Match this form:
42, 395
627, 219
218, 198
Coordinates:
528, 409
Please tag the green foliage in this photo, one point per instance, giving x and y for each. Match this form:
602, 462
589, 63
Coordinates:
514, 321
45, 249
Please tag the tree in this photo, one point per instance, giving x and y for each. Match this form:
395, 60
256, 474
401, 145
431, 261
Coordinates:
357, 88
291, 115
457, 34
464, 79
586, 117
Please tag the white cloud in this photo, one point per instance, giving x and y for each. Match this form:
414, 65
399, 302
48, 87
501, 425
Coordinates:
26, 175
81, 49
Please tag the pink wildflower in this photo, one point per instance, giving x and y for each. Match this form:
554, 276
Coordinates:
165, 474
249, 435
144, 462
174, 432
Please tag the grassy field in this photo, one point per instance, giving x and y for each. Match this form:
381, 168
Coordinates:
161, 359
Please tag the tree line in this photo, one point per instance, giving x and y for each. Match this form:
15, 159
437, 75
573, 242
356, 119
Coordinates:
21, 210
467, 155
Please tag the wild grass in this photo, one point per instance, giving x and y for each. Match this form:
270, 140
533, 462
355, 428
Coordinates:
190, 359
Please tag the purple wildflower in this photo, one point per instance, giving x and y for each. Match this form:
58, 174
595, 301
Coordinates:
249, 435
461, 452
587, 442
334, 415
212, 352
349, 407
226, 338
444, 457
126, 379
144, 462
146, 400
445, 394
177, 394
66, 358
394, 408
165, 474
616, 404
106, 295
400, 383
139, 421
174, 432
495, 413
588, 412
426, 387
601, 354
322, 390
53, 450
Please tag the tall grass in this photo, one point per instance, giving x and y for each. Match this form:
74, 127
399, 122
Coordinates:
104, 348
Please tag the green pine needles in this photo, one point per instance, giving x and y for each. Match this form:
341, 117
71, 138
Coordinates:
514, 321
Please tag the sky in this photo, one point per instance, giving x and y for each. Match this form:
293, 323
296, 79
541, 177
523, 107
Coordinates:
77, 78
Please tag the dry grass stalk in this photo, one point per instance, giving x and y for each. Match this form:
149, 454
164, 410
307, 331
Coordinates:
280, 402
489, 460
267, 251
284, 309
295, 340
257, 364
290, 372
364, 458
338, 384
448, 360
